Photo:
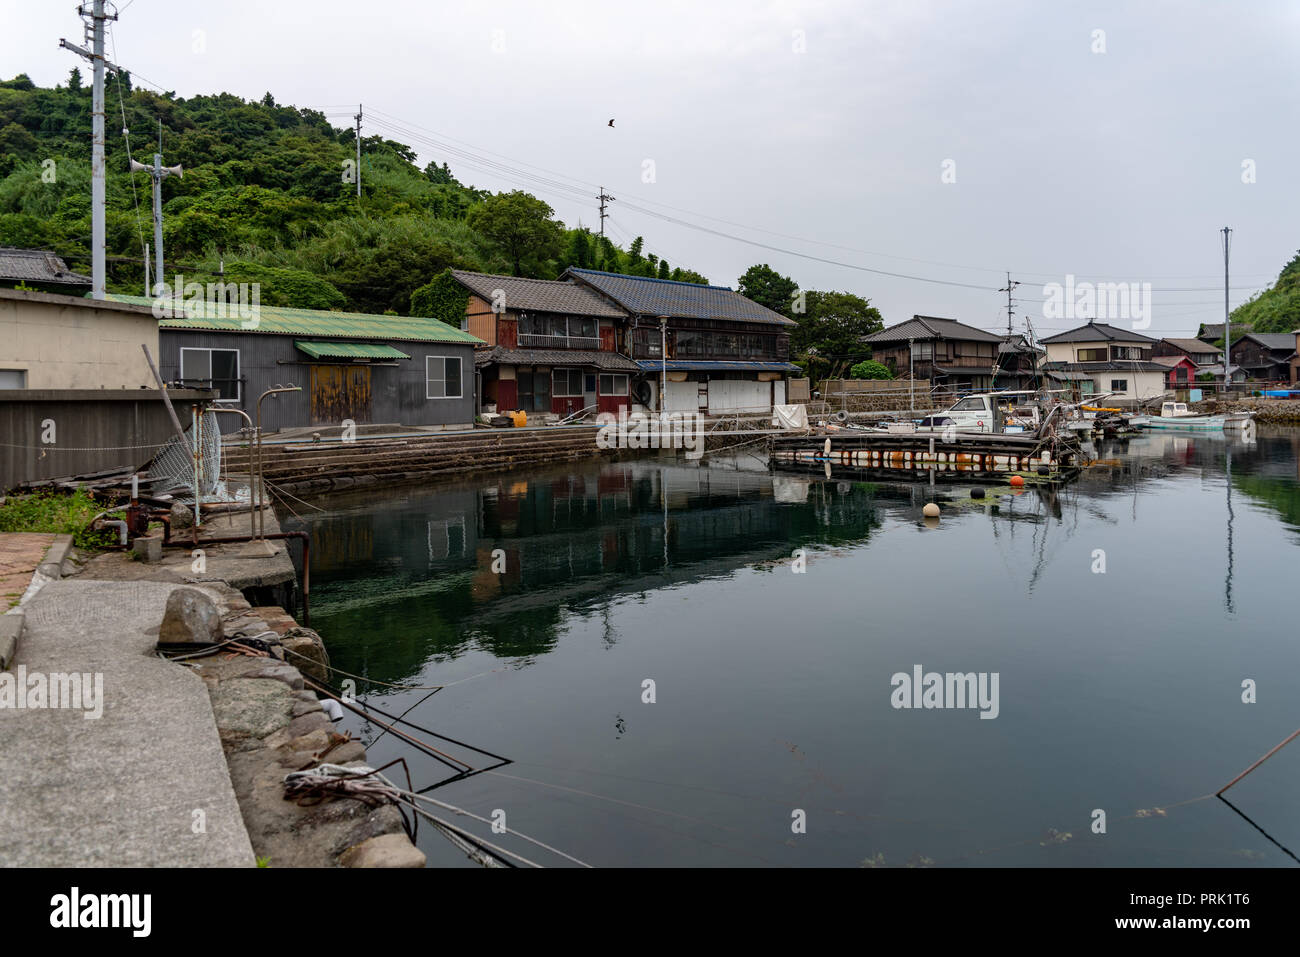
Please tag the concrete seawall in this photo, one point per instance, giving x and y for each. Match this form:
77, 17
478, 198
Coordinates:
186, 764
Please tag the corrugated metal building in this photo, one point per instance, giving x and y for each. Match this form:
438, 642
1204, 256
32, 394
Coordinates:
370, 369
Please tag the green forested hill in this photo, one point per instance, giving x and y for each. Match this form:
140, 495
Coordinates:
264, 192
1276, 309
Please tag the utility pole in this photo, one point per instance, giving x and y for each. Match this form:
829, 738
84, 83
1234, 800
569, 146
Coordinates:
94, 15
1227, 315
358, 119
604, 198
157, 172
1008, 289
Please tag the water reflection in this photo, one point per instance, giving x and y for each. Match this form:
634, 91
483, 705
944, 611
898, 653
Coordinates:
500, 564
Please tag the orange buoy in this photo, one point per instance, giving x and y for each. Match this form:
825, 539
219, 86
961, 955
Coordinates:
1017, 481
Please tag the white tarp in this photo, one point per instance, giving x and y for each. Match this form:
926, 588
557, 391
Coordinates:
793, 417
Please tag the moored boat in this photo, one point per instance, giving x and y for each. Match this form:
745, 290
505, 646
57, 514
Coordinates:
1176, 415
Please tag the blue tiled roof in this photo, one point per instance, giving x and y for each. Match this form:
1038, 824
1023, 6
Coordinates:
683, 300
715, 365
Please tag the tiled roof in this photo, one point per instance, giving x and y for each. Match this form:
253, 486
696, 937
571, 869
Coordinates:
1273, 341
37, 265
1191, 345
679, 300
717, 365
539, 295
1017, 345
930, 327
1120, 365
1213, 331
285, 321
1098, 332
1171, 361
608, 361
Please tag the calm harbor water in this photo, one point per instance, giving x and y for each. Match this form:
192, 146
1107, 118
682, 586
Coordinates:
1118, 690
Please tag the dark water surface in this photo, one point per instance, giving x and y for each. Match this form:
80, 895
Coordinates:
1120, 691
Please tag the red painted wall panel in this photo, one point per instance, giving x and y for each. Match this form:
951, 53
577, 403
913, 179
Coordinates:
507, 394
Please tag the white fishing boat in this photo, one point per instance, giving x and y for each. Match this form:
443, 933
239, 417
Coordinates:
1176, 415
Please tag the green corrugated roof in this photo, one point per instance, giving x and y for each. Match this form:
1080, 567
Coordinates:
286, 321
349, 350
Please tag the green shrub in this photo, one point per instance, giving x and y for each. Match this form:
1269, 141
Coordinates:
56, 513
870, 370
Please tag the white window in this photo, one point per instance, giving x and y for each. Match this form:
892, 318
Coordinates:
446, 539
613, 384
443, 377
13, 378
211, 369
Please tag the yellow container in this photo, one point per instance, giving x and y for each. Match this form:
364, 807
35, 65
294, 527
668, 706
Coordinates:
519, 418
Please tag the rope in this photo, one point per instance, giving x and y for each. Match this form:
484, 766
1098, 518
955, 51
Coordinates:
362, 783
531, 840
389, 684
67, 448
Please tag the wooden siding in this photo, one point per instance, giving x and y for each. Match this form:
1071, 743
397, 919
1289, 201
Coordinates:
339, 393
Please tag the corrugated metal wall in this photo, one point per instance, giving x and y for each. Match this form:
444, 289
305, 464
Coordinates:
397, 393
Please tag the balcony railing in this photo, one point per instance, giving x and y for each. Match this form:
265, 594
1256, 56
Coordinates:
559, 342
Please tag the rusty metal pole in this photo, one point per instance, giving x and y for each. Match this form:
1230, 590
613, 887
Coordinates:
261, 520
197, 454
251, 513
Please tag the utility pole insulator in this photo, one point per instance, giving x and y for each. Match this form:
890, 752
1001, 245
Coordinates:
605, 199
358, 119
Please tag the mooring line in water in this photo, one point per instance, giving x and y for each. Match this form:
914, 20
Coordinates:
422, 700
1282, 848
373, 681
390, 684
602, 797
466, 770
446, 759
416, 796
1289, 739
784, 802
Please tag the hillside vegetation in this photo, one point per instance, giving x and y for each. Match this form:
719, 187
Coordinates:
265, 193
1276, 309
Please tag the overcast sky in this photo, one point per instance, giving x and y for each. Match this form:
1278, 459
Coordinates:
821, 128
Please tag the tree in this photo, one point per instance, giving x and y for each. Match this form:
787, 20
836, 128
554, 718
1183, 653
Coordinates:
520, 225
664, 272
767, 287
870, 369
74, 80
444, 298
1273, 310
578, 251
834, 324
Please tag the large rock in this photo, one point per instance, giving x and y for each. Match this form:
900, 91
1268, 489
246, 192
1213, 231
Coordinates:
305, 650
182, 517
387, 850
190, 618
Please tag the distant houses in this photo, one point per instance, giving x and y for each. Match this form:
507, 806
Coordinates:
1099, 358
40, 270
601, 342
548, 347
1266, 357
949, 353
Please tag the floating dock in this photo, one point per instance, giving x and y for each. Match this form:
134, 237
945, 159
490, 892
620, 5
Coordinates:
948, 457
